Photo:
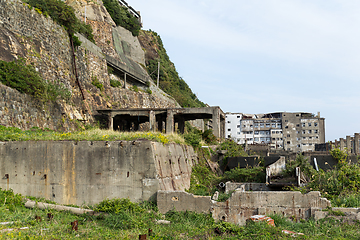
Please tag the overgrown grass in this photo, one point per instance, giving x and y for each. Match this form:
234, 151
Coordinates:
36, 134
126, 220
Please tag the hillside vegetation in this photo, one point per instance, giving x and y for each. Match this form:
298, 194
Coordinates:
170, 81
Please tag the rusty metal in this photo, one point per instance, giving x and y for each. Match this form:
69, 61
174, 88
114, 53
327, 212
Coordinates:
74, 225
142, 237
75, 69
50, 216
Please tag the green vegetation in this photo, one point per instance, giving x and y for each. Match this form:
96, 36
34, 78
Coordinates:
122, 17
36, 134
64, 15
341, 184
123, 219
97, 83
115, 83
170, 81
205, 182
24, 78
134, 88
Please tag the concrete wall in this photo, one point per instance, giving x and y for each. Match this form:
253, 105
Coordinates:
70, 172
241, 205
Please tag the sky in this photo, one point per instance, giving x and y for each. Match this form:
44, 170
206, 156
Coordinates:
266, 56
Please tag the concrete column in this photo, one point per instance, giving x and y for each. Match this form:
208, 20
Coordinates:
152, 121
348, 145
169, 121
125, 80
342, 144
216, 122
111, 122
181, 125
356, 143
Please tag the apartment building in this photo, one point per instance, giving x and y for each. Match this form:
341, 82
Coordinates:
296, 132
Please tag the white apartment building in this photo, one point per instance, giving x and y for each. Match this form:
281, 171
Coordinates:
297, 132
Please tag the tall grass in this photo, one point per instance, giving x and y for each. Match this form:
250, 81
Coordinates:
36, 134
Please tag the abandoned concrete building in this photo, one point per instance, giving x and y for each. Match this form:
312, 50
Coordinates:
350, 144
164, 119
295, 132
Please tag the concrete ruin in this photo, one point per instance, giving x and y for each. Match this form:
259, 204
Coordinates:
70, 172
244, 204
125, 119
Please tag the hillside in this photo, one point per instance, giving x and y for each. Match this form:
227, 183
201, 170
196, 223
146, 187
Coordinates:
74, 84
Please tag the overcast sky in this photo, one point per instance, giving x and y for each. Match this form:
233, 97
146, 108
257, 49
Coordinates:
266, 56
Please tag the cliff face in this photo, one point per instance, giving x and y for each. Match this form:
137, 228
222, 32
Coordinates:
41, 42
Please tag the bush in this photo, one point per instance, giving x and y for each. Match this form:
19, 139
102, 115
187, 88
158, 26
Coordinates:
97, 83
122, 17
118, 205
64, 15
115, 83
26, 79
10, 200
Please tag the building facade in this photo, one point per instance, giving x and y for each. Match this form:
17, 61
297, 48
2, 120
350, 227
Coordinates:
295, 132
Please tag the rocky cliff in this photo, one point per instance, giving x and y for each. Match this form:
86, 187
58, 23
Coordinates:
26, 33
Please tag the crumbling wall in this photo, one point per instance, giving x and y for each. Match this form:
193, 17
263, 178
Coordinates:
70, 172
241, 205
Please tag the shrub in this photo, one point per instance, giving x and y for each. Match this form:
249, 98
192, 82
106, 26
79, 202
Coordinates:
115, 83
118, 205
24, 78
122, 17
10, 200
135, 88
64, 15
97, 83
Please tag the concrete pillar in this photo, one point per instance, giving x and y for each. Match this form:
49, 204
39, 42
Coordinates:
111, 122
125, 80
152, 121
342, 144
348, 145
356, 143
216, 122
181, 125
169, 121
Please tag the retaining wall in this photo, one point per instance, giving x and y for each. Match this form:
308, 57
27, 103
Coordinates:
70, 172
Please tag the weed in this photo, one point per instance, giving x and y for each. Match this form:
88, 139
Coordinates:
97, 83
115, 83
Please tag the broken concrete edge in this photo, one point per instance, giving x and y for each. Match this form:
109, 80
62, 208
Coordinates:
244, 204
41, 205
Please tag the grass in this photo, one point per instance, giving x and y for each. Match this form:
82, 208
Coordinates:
128, 224
36, 134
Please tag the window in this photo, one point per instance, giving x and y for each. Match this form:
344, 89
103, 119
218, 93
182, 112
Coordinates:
256, 132
251, 126
309, 124
273, 139
298, 145
267, 132
273, 125
315, 131
268, 125
304, 138
244, 126
315, 124
268, 139
229, 121
303, 124
279, 125
228, 136
228, 129
286, 120
298, 139
256, 139
238, 126
281, 139
310, 137
238, 116
288, 135
297, 115
256, 125
309, 131
310, 144
297, 125
261, 125
297, 132
286, 126
262, 139
317, 137
277, 139
303, 131
288, 142
277, 132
